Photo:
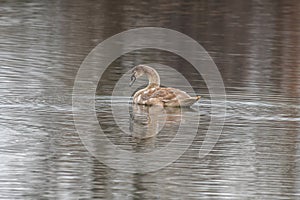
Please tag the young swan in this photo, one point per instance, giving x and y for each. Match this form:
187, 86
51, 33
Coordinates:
153, 94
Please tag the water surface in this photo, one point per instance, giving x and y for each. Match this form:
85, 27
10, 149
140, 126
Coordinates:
256, 48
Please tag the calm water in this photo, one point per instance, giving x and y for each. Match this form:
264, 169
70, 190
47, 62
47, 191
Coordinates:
255, 45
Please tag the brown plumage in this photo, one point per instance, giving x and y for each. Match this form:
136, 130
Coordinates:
153, 94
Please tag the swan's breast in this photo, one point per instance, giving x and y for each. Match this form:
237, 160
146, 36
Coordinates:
144, 96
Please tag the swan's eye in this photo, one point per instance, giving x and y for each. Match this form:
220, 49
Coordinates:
132, 77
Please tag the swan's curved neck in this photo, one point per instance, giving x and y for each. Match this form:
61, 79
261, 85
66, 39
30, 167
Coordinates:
153, 76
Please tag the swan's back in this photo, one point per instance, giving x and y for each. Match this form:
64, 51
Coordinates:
164, 97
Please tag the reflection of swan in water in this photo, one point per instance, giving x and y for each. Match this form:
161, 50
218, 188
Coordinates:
147, 121
153, 94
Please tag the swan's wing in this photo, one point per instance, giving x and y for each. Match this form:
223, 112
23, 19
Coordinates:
164, 94
168, 94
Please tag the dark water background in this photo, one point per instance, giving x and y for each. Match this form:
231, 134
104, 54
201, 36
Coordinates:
255, 45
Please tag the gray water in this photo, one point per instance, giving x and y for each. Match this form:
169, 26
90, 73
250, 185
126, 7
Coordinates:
255, 45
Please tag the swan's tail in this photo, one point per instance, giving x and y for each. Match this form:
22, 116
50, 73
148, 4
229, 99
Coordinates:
182, 102
189, 101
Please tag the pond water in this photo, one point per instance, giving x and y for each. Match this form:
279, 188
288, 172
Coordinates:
255, 45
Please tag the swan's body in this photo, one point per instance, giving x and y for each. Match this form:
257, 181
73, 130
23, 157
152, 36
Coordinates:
153, 94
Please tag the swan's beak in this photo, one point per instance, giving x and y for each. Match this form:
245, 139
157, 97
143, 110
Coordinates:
133, 78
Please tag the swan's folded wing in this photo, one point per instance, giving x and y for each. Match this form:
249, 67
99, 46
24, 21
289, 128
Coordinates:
172, 103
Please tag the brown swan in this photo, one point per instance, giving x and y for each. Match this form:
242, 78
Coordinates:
153, 94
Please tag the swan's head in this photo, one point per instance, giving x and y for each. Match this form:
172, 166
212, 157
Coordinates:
137, 72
